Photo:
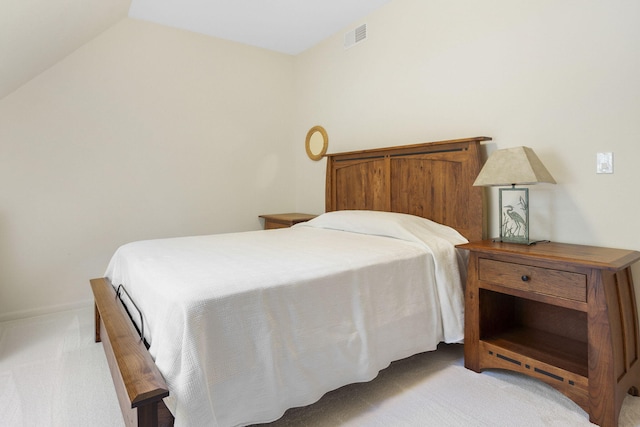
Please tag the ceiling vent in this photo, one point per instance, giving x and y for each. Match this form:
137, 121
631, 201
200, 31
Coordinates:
355, 36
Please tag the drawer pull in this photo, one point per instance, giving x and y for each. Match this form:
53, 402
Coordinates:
525, 278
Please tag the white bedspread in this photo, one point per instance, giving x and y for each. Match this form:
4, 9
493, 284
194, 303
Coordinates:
246, 325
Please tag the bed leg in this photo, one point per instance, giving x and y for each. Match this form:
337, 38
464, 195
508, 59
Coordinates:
97, 322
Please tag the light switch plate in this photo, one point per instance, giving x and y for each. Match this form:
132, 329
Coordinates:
604, 163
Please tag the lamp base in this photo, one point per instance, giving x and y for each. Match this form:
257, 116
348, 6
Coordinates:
523, 242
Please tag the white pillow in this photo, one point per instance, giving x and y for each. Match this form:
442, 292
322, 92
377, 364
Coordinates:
390, 224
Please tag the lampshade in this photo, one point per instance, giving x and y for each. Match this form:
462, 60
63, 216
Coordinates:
509, 166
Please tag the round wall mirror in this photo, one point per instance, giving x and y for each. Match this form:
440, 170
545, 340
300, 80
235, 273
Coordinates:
316, 143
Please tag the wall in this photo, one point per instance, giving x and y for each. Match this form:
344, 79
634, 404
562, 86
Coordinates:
35, 34
559, 76
151, 132
144, 132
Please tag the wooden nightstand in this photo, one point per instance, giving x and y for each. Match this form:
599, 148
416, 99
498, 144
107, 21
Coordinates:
284, 220
565, 314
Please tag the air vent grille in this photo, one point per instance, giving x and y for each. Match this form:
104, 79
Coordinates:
355, 36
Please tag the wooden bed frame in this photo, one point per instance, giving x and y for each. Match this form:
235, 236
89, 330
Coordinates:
432, 180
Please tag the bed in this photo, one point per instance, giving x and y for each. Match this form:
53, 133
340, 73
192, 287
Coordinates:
324, 304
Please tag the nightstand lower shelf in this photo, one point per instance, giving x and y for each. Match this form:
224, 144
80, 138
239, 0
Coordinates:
554, 350
556, 360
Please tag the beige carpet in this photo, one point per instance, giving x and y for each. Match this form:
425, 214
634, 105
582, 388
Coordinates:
53, 374
434, 389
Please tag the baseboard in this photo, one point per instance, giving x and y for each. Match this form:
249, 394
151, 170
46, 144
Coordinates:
24, 314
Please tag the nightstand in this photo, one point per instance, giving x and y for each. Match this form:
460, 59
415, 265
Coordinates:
284, 220
565, 314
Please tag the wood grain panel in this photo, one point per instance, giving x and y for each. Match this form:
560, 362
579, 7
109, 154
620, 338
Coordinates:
432, 180
362, 185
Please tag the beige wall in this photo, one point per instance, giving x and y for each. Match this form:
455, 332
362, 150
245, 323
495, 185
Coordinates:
144, 132
35, 34
558, 76
150, 132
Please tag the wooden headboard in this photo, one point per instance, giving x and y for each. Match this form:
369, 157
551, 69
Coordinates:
432, 180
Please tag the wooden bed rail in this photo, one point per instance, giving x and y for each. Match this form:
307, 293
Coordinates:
139, 384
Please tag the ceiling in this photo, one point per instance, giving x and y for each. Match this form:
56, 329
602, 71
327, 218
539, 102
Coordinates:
287, 26
36, 34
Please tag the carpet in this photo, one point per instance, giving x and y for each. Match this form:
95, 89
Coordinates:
52, 374
435, 389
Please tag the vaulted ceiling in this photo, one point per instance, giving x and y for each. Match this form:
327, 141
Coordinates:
36, 34
288, 26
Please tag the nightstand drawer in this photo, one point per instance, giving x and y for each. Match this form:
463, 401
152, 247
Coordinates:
284, 220
557, 283
270, 225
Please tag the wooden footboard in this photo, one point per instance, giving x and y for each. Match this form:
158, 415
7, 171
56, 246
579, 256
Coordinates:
138, 382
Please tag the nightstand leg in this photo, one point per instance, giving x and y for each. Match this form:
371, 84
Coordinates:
472, 320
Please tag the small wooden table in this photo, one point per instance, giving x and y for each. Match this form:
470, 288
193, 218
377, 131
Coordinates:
284, 220
565, 314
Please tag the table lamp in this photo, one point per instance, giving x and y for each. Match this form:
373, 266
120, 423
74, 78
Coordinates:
511, 167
